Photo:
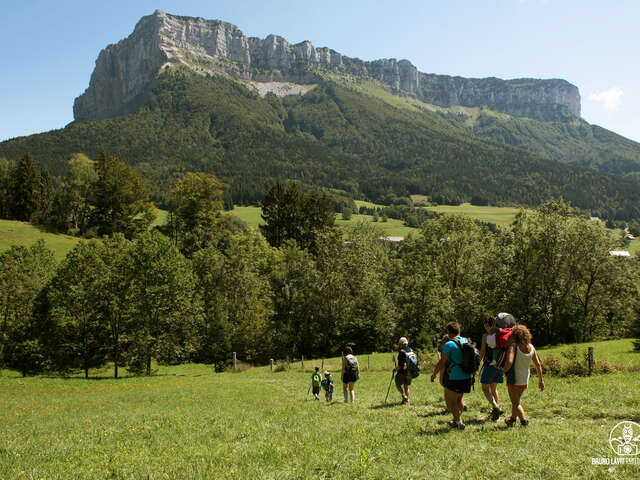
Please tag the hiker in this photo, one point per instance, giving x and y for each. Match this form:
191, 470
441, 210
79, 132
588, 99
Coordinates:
327, 385
403, 375
350, 374
453, 378
491, 374
316, 379
519, 356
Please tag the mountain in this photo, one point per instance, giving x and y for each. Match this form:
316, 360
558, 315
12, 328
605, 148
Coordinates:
125, 71
185, 94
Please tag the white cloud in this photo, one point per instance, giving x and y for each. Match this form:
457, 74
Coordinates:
610, 99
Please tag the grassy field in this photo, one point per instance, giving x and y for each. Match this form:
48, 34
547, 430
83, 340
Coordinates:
23, 233
187, 422
391, 228
497, 215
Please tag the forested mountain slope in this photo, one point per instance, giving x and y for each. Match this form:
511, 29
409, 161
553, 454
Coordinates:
332, 136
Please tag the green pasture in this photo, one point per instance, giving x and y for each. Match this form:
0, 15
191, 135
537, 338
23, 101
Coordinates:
498, 215
634, 248
188, 422
23, 233
391, 228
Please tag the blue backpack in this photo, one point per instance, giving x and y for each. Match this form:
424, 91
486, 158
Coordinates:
413, 367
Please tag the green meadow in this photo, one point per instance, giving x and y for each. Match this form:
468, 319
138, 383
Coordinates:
498, 215
23, 233
188, 422
391, 228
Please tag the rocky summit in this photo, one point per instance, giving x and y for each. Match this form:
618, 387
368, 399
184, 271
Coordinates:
125, 72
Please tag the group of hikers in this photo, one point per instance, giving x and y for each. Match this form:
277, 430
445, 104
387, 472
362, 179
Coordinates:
506, 350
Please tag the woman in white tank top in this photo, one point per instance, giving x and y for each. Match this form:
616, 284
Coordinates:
519, 358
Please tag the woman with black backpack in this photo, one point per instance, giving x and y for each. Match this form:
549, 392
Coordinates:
455, 380
350, 374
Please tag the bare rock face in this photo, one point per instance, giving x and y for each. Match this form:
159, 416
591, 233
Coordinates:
124, 72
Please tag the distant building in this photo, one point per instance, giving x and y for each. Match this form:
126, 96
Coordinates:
392, 239
619, 253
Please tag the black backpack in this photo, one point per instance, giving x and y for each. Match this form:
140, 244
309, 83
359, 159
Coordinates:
351, 366
470, 356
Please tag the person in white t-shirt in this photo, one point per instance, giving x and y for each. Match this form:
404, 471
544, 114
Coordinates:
519, 356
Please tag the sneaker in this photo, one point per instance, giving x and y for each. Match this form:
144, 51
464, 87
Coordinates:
510, 421
453, 424
495, 414
524, 423
460, 425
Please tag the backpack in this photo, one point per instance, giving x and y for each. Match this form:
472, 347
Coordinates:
470, 356
351, 366
413, 366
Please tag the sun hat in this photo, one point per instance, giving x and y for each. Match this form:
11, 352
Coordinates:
505, 320
403, 341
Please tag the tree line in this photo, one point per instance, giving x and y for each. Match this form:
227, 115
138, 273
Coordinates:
94, 198
204, 286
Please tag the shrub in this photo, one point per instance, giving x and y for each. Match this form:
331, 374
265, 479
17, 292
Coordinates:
282, 366
604, 366
552, 366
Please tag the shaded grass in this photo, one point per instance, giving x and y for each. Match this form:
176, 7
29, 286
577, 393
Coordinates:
191, 423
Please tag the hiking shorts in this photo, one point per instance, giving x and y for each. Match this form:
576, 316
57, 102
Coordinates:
315, 390
349, 377
403, 378
491, 375
459, 386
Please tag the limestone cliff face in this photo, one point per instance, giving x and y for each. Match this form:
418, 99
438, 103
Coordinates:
125, 71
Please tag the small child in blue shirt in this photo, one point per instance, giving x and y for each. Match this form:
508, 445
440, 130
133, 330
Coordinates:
327, 385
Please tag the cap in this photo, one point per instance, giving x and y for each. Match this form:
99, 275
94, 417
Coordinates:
403, 341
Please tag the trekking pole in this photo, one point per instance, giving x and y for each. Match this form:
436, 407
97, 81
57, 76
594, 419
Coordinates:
390, 382
307, 397
389, 388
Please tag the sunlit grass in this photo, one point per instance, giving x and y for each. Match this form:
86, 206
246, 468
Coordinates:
23, 233
188, 422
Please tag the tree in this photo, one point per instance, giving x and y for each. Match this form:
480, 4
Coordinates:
23, 273
458, 248
295, 321
26, 189
422, 299
236, 296
73, 200
74, 304
115, 297
290, 214
6, 184
353, 304
120, 199
161, 303
346, 213
194, 211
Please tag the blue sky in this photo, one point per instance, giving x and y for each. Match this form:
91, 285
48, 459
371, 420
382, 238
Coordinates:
48, 49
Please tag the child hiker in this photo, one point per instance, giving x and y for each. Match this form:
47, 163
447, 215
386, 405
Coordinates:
327, 385
316, 379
